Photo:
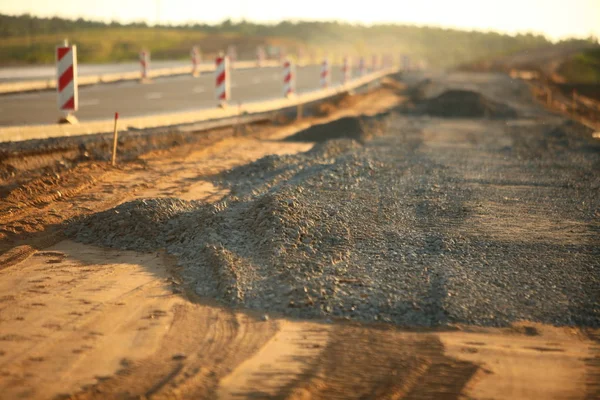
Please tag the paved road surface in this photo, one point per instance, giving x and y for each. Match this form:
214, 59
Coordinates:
163, 96
39, 72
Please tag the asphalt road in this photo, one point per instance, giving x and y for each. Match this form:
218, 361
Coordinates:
164, 95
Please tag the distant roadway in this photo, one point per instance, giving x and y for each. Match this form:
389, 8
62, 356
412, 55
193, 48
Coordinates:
41, 72
164, 95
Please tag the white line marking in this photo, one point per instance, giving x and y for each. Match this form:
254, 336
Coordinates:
154, 96
199, 89
90, 102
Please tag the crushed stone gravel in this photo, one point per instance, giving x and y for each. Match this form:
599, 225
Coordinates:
436, 222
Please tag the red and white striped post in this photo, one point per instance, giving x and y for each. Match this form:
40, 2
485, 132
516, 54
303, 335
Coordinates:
325, 76
282, 54
405, 62
232, 53
196, 59
361, 66
144, 64
289, 79
222, 79
346, 71
374, 63
260, 56
66, 81
301, 56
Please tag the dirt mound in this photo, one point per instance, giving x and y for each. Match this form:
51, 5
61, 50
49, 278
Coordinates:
465, 104
360, 129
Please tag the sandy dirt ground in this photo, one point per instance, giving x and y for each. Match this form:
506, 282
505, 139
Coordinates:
84, 322
87, 322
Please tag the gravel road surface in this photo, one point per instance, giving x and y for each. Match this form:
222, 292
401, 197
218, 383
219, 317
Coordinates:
432, 221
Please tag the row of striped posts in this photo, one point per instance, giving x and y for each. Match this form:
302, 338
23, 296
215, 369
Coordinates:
196, 57
222, 74
67, 90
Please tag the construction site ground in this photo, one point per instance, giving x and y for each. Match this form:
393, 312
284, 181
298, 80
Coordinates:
464, 260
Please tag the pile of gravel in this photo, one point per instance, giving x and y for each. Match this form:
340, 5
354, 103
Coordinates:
273, 170
465, 104
135, 225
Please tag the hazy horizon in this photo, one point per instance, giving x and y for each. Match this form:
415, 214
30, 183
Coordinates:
554, 19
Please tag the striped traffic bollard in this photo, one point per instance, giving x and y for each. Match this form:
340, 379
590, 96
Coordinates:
222, 79
405, 63
282, 54
289, 79
345, 70
196, 59
260, 56
361, 66
144, 65
374, 63
66, 78
232, 53
325, 77
301, 56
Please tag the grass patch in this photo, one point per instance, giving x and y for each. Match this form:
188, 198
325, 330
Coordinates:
582, 68
100, 45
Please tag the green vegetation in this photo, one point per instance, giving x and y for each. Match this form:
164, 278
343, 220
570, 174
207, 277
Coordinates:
31, 40
583, 68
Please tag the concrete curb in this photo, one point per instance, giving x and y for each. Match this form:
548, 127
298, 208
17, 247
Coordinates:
27, 132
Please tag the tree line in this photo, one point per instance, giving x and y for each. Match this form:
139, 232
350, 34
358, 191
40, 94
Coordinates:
438, 46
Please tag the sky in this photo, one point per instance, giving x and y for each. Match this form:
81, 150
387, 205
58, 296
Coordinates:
556, 19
